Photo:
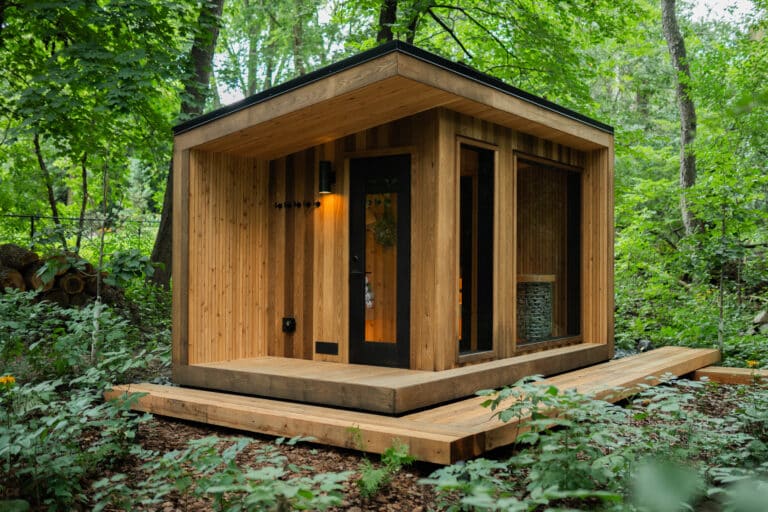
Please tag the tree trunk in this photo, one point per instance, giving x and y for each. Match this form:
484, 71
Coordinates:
84, 202
299, 65
33, 280
387, 18
193, 102
676, 45
49, 187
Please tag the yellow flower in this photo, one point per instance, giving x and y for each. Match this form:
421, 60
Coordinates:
752, 363
8, 380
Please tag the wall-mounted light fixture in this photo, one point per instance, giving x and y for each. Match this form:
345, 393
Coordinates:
326, 177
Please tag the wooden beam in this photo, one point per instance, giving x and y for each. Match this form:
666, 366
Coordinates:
347, 429
180, 258
727, 375
378, 389
485, 102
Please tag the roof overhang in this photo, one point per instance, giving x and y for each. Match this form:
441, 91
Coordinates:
387, 83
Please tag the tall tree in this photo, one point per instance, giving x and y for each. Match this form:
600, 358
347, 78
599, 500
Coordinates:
80, 77
686, 107
196, 88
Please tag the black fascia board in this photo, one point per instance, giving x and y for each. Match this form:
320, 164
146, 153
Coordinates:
374, 53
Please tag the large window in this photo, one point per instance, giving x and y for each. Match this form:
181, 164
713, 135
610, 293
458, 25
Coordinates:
476, 249
548, 252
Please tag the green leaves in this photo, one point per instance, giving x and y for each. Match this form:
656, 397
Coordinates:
208, 468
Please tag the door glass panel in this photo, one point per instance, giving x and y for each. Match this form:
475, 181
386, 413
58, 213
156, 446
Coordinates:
380, 261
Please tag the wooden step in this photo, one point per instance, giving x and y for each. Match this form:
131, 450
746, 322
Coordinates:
442, 434
375, 388
727, 375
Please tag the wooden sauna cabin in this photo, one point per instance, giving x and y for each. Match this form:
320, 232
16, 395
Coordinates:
390, 232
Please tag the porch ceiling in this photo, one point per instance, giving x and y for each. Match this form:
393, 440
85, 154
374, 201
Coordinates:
377, 91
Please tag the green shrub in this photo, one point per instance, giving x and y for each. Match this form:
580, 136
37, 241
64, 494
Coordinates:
655, 451
92, 346
208, 469
51, 444
373, 479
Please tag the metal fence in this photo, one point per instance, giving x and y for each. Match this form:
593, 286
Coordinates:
40, 232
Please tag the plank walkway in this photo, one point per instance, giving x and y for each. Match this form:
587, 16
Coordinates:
442, 435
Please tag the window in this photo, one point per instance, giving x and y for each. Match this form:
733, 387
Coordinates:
476, 166
548, 252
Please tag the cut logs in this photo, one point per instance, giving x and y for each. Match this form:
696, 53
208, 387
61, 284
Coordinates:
17, 257
33, 280
72, 283
11, 278
63, 278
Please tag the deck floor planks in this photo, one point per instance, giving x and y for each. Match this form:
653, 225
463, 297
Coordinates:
442, 434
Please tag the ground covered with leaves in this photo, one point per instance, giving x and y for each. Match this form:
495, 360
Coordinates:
302, 459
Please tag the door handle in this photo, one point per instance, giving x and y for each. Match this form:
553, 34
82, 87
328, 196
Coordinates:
355, 267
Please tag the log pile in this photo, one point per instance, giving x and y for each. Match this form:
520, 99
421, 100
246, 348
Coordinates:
65, 279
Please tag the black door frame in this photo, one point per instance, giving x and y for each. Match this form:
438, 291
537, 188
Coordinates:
376, 353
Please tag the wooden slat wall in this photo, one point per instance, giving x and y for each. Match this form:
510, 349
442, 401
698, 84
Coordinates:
330, 297
291, 253
227, 280
435, 250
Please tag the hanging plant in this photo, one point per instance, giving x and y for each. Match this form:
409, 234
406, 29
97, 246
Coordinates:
385, 228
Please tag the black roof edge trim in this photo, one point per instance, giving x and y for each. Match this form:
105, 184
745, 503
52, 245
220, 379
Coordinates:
392, 46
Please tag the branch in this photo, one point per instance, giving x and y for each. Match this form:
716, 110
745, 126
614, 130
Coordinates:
49, 187
450, 32
513, 66
81, 220
476, 22
6, 131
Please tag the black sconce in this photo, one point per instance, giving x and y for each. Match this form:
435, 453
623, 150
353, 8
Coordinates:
327, 177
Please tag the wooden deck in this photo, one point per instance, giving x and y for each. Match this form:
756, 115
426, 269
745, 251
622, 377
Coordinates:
376, 388
442, 435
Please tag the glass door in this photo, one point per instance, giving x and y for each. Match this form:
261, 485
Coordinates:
380, 259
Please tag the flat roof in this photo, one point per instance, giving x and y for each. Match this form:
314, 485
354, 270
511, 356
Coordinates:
384, 49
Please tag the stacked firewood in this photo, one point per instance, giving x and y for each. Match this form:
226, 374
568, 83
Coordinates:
65, 279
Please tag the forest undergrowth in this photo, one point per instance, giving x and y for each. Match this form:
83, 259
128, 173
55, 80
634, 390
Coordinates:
679, 444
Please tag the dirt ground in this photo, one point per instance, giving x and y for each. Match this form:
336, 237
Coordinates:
403, 493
